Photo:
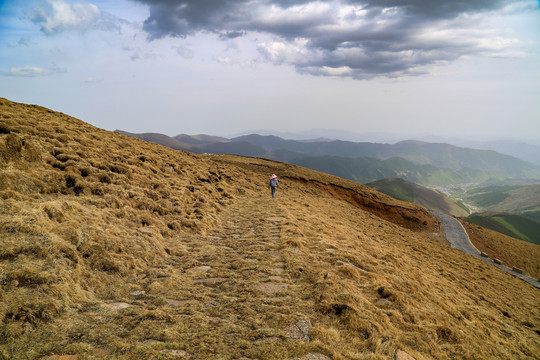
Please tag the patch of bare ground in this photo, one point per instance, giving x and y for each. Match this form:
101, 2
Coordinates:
116, 248
512, 252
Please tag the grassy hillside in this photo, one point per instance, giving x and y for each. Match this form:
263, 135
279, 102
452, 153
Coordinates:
513, 199
516, 226
117, 248
428, 198
512, 252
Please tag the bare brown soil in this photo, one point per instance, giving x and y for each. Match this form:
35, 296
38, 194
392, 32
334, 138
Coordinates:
112, 247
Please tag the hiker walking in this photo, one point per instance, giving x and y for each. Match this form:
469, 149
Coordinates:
273, 184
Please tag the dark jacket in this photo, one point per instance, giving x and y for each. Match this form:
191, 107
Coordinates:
273, 183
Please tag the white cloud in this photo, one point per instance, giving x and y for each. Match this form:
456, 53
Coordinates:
28, 71
58, 16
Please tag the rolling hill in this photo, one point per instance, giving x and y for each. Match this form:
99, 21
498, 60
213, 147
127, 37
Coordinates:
113, 247
516, 226
428, 198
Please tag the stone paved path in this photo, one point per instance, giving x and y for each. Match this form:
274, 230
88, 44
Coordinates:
458, 238
241, 288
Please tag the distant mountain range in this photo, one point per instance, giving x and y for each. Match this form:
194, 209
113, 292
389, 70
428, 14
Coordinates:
416, 161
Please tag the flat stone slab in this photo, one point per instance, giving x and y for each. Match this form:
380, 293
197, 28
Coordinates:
314, 356
198, 270
295, 251
176, 353
173, 302
275, 218
270, 287
279, 298
137, 293
300, 330
402, 355
210, 281
145, 231
118, 305
382, 302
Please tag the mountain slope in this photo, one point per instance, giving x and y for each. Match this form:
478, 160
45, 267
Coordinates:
516, 226
428, 198
518, 199
199, 139
117, 248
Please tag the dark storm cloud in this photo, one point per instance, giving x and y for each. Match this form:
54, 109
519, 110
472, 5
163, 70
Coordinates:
356, 38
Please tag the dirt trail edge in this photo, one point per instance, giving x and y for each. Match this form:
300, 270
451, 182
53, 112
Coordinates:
458, 238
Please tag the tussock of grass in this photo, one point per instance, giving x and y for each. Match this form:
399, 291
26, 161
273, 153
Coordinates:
114, 247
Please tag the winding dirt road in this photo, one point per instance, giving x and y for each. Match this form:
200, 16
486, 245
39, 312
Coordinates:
458, 238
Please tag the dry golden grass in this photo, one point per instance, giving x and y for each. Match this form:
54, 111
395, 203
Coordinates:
512, 252
116, 248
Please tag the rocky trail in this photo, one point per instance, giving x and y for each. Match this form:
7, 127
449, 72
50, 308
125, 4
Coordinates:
230, 296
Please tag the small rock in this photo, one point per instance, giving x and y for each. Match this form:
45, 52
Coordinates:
402, 355
27, 327
119, 305
279, 298
210, 281
275, 218
173, 302
314, 356
198, 270
270, 287
296, 251
176, 353
103, 352
382, 302
300, 330
137, 293
145, 231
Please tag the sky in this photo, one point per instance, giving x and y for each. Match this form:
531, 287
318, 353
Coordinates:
465, 69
